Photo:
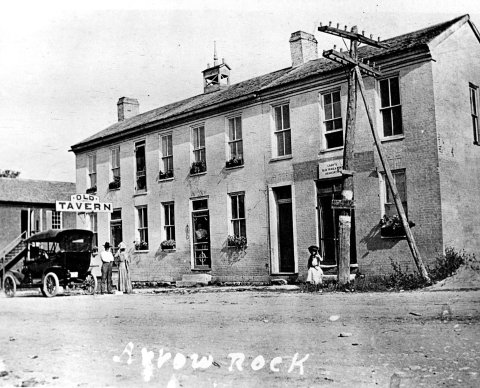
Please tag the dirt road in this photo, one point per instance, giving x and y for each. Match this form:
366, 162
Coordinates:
254, 338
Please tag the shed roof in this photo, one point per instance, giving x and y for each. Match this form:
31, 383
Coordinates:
255, 86
34, 191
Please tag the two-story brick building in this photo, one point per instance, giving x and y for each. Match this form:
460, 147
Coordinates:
255, 164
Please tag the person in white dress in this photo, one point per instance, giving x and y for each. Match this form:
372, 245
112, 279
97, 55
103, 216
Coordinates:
315, 273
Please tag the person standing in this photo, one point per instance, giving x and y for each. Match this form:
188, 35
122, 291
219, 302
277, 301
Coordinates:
124, 280
107, 263
315, 273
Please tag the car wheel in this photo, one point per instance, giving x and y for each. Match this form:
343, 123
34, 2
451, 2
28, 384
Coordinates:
90, 284
9, 285
50, 285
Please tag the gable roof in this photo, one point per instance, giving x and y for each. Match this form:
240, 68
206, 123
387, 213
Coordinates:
34, 191
250, 89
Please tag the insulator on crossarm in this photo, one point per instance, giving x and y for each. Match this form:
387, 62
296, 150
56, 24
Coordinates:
338, 26
379, 39
371, 36
341, 49
345, 28
334, 46
320, 24
363, 32
329, 24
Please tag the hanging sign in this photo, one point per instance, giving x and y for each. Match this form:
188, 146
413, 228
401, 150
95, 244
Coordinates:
83, 203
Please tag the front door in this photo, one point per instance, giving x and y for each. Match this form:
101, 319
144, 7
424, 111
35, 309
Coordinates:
328, 223
286, 259
24, 222
201, 234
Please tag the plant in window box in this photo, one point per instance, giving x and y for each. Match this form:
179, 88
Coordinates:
198, 167
168, 244
141, 245
239, 242
165, 175
115, 184
392, 226
91, 190
234, 162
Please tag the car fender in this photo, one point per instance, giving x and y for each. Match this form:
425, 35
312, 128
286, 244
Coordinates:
58, 270
16, 275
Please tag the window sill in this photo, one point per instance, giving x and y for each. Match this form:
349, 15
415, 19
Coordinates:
234, 167
199, 173
476, 143
168, 250
280, 158
166, 179
202, 269
140, 193
141, 251
327, 150
392, 138
115, 189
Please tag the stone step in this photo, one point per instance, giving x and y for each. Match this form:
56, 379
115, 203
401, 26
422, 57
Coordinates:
202, 278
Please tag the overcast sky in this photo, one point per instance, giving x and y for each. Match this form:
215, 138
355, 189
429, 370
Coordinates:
64, 67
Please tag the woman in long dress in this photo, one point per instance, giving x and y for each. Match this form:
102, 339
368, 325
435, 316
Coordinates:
315, 273
124, 280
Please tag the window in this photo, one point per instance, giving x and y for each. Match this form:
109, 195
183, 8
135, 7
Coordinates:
390, 107
141, 168
239, 228
474, 111
166, 170
56, 220
115, 168
93, 226
142, 227
333, 120
282, 130
389, 208
92, 172
169, 226
199, 158
235, 142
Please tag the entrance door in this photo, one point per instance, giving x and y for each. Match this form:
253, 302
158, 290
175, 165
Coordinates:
116, 227
201, 234
328, 223
286, 256
24, 222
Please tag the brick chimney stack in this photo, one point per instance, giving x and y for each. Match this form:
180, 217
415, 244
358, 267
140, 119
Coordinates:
303, 48
127, 107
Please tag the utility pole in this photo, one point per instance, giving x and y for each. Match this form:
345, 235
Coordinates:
355, 67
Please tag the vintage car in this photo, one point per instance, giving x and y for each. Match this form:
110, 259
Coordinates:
54, 258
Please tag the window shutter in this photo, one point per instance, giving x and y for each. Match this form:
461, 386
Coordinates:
49, 219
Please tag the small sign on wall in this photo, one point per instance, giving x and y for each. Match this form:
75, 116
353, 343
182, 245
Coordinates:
330, 169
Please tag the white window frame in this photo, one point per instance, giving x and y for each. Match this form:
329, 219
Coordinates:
390, 108
474, 112
57, 220
167, 221
141, 223
199, 149
233, 220
332, 119
92, 170
166, 157
93, 226
235, 142
138, 174
114, 163
384, 191
281, 129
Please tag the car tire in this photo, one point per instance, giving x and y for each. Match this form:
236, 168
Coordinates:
51, 285
9, 285
90, 284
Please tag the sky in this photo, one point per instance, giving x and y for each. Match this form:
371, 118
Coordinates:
64, 66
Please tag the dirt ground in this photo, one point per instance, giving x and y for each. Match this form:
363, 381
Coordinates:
287, 339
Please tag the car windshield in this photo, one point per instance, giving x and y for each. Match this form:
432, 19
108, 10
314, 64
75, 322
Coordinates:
76, 242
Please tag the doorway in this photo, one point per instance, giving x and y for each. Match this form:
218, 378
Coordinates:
201, 234
328, 223
286, 253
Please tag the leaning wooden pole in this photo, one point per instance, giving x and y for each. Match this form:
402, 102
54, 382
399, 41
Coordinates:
393, 187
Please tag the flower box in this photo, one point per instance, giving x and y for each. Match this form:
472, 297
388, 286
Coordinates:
115, 184
168, 244
141, 245
234, 162
91, 190
238, 242
393, 227
198, 167
165, 175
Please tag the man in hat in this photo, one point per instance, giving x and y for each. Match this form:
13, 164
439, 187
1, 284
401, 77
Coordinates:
107, 263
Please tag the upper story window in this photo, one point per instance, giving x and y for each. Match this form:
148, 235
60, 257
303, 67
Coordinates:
391, 107
92, 172
282, 130
115, 168
141, 167
333, 120
199, 153
235, 142
474, 112
166, 168
56, 220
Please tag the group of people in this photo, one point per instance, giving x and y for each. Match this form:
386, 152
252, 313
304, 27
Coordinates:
122, 259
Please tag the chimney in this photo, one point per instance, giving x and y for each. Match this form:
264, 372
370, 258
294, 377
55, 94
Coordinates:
303, 48
127, 107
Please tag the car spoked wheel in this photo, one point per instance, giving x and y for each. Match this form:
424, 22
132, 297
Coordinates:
9, 285
50, 285
90, 284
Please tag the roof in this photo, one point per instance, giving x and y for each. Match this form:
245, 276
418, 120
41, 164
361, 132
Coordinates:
56, 234
34, 191
252, 88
